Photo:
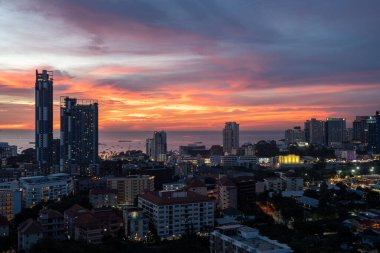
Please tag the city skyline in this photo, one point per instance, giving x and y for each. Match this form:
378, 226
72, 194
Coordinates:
191, 66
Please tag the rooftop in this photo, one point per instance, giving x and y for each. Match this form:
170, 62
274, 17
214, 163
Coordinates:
100, 191
172, 198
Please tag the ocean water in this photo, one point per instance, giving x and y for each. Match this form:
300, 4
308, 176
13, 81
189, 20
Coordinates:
129, 140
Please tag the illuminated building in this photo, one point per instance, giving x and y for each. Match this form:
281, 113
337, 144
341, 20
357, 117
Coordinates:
377, 132
335, 131
7, 150
315, 131
288, 159
45, 188
10, 203
136, 224
177, 213
44, 119
128, 188
230, 136
52, 223
227, 193
79, 135
103, 197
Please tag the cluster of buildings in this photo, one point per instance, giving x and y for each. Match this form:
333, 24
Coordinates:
76, 152
333, 132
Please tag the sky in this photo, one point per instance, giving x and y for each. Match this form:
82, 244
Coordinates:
193, 64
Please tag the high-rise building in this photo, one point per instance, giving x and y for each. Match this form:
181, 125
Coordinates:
79, 134
360, 128
371, 135
230, 136
44, 119
335, 129
315, 131
149, 147
159, 146
294, 135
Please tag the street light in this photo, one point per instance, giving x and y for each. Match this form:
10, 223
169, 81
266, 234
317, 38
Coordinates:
372, 169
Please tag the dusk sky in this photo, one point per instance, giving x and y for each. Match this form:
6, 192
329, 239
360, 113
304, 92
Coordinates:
193, 64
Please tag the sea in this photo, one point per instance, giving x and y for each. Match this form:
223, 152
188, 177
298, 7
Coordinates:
135, 140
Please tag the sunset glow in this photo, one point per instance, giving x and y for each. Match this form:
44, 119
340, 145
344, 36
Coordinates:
166, 68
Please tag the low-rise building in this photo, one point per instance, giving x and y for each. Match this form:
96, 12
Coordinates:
4, 226
10, 203
29, 233
243, 239
103, 197
52, 223
70, 217
136, 224
45, 188
227, 193
178, 213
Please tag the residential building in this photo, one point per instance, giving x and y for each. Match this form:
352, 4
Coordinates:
335, 129
195, 184
230, 137
44, 119
292, 183
70, 217
227, 193
136, 224
315, 131
360, 129
294, 135
79, 135
103, 197
44, 188
178, 213
243, 239
29, 233
7, 150
377, 132
128, 188
4, 226
274, 184
52, 223
10, 203
110, 220
157, 147
88, 229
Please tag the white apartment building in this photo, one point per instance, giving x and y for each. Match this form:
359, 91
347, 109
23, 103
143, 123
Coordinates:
43, 188
292, 183
136, 224
227, 194
243, 239
177, 213
129, 187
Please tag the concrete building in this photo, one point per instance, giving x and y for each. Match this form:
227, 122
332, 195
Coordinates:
195, 184
44, 119
377, 149
294, 135
7, 150
274, 184
4, 226
44, 188
70, 217
243, 239
227, 193
52, 223
315, 131
335, 131
292, 183
178, 213
129, 187
136, 224
103, 198
230, 137
79, 135
10, 203
157, 147
88, 229
29, 233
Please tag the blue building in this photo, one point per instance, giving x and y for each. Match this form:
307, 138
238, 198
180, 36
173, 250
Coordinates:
79, 135
44, 119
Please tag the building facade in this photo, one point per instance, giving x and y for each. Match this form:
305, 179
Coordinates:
230, 136
44, 188
227, 194
10, 203
178, 213
103, 198
79, 135
335, 131
44, 119
128, 188
294, 135
315, 131
136, 224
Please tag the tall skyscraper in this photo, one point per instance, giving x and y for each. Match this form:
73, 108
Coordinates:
315, 131
79, 134
335, 131
44, 119
159, 146
371, 135
230, 136
360, 129
149, 147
